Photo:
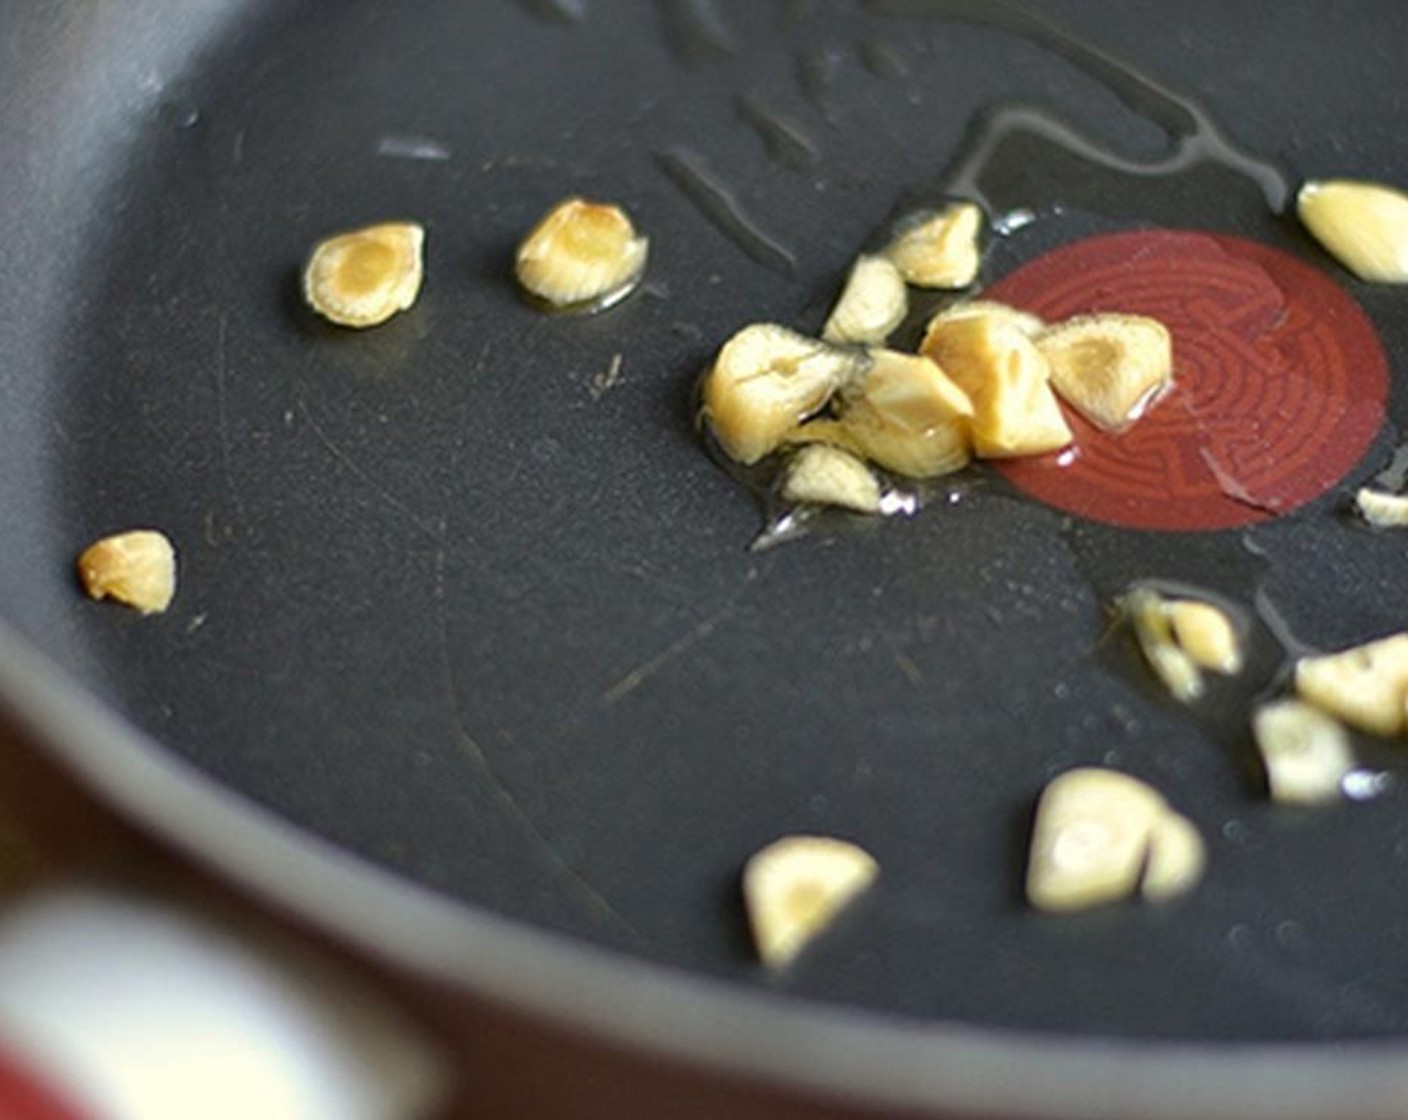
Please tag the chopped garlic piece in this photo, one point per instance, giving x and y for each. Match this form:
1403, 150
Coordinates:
873, 303
909, 391
1108, 367
765, 381
940, 250
827, 476
1092, 839
938, 451
1006, 378
1364, 225
582, 256
1029, 324
1386, 511
795, 887
137, 568
1206, 634
1153, 628
1366, 686
1176, 861
1306, 753
363, 277
903, 415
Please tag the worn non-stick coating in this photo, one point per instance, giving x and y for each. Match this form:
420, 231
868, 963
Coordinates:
457, 599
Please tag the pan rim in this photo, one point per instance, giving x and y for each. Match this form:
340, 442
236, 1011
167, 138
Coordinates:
650, 1009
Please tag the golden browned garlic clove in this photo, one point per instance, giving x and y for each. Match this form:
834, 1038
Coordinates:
1108, 367
1091, 841
1206, 634
1029, 324
1306, 753
795, 887
137, 568
824, 475
871, 305
908, 391
940, 250
904, 415
1366, 686
363, 277
1363, 225
582, 256
1006, 378
765, 381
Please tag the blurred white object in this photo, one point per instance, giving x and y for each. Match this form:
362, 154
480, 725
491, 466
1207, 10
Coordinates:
138, 1011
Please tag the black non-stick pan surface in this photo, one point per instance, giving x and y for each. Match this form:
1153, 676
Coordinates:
466, 595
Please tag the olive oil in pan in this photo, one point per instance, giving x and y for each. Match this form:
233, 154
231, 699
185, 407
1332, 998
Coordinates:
697, 31
712, 197
787, 142
1196, 137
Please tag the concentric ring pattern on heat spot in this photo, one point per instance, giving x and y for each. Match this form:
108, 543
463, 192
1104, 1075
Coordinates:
1280, 381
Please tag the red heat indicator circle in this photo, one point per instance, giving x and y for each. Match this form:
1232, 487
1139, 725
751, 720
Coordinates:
1280, 381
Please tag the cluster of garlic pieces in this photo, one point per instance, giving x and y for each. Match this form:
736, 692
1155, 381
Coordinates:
981, 385
1303, 740
984, 383
1100, 835
581, 257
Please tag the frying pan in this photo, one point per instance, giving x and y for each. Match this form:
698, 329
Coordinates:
471, 668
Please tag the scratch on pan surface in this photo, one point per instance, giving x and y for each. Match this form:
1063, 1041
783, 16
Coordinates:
903, 662
577, 884
429, 528
713, 199
673, 652
606, 380
587, 562
222, 419
413, 148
